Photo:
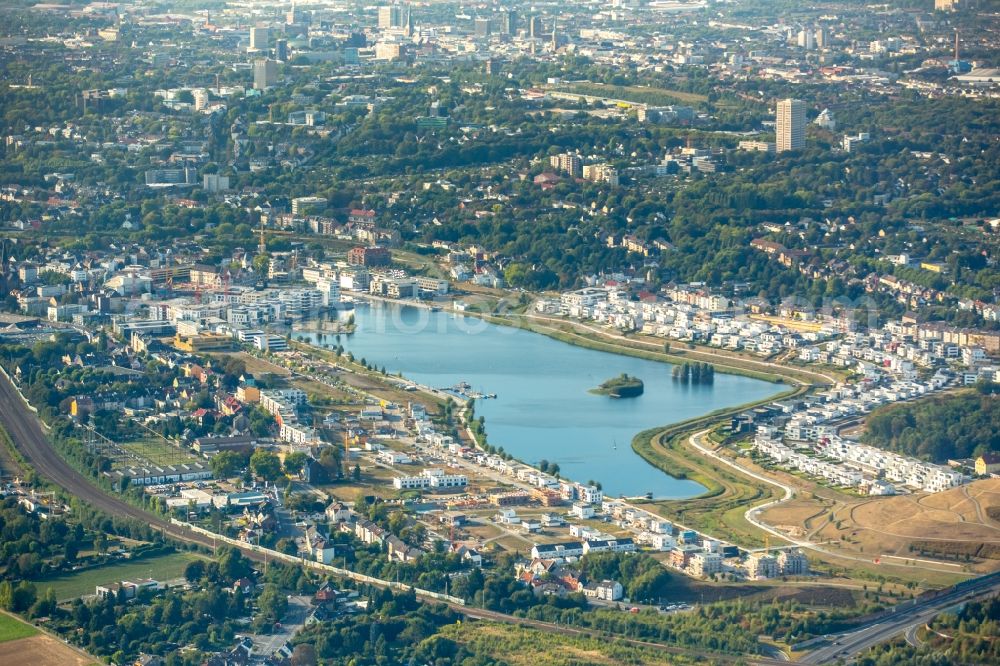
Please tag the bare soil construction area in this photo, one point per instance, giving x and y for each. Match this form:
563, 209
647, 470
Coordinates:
41, 650
951, 526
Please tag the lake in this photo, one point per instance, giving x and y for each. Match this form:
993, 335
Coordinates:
543, 410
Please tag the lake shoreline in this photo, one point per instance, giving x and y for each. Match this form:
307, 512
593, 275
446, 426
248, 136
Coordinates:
721, 362
588, 440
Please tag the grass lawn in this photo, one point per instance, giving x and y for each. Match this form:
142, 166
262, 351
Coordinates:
522, 646
11, 628
720, 509
158, 452
71, 586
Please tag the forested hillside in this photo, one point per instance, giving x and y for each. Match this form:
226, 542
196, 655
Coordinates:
956, 426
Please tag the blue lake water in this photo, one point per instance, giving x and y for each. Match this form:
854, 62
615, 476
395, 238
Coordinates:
543, 409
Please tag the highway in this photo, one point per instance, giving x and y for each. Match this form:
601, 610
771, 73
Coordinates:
26, 433
846, 646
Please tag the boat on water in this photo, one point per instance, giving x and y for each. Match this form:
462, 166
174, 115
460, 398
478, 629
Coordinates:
465, 390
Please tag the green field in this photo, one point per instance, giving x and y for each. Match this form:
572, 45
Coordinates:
158, 452
11, 629
71, 586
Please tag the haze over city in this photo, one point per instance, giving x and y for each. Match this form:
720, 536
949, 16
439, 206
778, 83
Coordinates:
499, 333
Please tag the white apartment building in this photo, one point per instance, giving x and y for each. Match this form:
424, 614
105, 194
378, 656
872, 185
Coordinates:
297, 433
430, 478
761, 565
791, 125
705, 564
792, 563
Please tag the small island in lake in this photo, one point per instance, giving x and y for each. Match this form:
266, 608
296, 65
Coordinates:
621, 386
694, 373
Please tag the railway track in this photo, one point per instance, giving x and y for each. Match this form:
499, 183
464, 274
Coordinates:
26, 433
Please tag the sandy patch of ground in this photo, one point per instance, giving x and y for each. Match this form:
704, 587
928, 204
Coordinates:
41, 650
880, 526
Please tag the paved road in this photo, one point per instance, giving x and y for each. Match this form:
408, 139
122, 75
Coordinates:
291, 624
26, 433
697, 440
849, 645
30, 441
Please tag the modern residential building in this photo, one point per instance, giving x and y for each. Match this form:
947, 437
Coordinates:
761, 565
601, 173
302, 206
791, 125
433, 478
568, 163
369, 256
258, 38
705, 564
851, 141
265, 73
792, 563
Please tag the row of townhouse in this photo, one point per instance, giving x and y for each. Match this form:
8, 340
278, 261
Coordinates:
574, 549
542, 481
834, 473
370, 533
812, 421
691, 316
433, 479
691, 552
849, 464
157, 475
927, 344
636, 519
894, 467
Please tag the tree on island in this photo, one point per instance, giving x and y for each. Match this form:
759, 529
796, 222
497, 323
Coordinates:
622, 386
694, 373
